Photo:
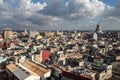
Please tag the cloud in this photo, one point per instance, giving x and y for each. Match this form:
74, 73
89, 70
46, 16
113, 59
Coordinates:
1, 1
24, 13
115, 11
91, 23
111, 17
15, 13
40, 19
28, 7
54, 8
84, 8
74, 9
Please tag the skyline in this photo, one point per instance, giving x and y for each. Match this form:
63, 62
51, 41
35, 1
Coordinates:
60, 14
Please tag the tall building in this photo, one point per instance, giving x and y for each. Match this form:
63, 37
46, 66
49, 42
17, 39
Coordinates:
118, 34
98, 29
95, 36
7, 33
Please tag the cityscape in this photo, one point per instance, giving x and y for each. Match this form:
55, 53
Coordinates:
60, 40
60, 55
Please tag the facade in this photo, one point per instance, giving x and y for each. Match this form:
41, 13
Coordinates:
40, 57
103, 71
45, 55
33, 33
7, 33
2, 64
1, 38
95, 37
76, 76
71, 74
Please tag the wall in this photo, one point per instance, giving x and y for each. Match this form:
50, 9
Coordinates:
45, 55
74, 76
33, 78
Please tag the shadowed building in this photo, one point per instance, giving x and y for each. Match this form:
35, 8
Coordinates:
98, 29
7, 33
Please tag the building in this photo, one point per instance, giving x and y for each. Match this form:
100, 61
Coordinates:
70, 73
2, 64
98, 29
1, 38
118, 34
104, 71
33, 33
95, 36
78, 75
41, 57
27, 71
7, 33
1, 41
45, 55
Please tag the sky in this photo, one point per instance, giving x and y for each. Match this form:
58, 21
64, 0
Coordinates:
60, 14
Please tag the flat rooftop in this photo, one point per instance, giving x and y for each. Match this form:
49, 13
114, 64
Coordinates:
39, 70
17, 71
26, 69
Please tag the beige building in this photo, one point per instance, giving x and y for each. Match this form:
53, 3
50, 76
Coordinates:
7, 33
106, 74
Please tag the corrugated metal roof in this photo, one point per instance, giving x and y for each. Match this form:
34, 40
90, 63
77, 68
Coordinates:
12, 67
35, 68
18, 72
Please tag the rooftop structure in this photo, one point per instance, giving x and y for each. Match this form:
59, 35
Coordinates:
27, 70
79, 73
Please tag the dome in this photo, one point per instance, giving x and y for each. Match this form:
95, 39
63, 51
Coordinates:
98, 29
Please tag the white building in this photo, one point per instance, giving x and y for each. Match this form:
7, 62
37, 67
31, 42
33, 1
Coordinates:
95, 36
34, 33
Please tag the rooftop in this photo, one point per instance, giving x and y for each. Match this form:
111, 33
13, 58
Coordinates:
17, 71
39, 70
26, 69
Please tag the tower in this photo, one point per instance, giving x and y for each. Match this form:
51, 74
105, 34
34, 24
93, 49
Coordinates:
118, 34
7, 33
98, 28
